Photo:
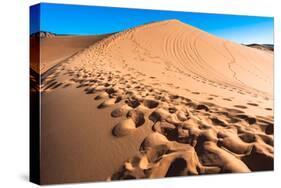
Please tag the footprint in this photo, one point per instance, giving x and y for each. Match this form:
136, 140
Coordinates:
110, 91
258, 161
240, 106
176, 168
269, 129
219, 122
202, 107
132, 102
231, 141
212, 155
248, 119
137, 116
172, 97
182, 115
232, 110
247, 137
227, 99
118, 112
56, 86
150, 103
172, 110
107, 103
252, 104
159, 115
50, 85
154, 139
102, 95
67, 85
268, 139
167, 129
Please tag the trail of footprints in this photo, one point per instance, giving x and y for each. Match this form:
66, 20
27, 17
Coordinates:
254, 93
188, 137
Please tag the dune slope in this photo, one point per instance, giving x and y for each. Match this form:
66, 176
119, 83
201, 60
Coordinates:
56, 48
162, 99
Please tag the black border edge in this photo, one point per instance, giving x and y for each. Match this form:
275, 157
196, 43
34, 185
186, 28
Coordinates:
34, 95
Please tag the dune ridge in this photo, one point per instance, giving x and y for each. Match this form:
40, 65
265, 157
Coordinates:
180, 41
201, 104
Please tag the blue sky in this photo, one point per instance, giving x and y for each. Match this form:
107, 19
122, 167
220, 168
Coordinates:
92, 20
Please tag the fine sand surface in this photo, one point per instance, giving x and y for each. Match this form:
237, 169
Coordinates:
54, 49
163, 99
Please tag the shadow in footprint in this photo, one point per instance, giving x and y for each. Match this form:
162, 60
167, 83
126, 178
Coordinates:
176, 168
258, 161
150, 103
132, 102
240, 106
227, 99
137, 116
248, 119
202, 107
195, 93
219, 122
252, 104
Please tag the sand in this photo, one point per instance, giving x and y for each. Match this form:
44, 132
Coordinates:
159, 100
57, 48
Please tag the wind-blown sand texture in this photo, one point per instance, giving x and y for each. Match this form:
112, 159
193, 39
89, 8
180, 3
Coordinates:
163, 99
54, 49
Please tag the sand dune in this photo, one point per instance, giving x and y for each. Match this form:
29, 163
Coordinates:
264, 47
162, 99
56, 48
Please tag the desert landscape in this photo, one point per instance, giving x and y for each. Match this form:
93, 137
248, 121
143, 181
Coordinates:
158, 100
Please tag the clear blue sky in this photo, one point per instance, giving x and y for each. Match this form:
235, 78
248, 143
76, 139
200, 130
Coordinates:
92, 20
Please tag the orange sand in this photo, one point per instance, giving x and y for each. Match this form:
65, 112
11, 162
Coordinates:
162, 99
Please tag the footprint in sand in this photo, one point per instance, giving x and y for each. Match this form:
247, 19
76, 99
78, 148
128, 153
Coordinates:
118, 112
235, 111
159, 114
134, 103
247, 137
172, 110
135, 119
212, 95
202, 107
240, 106
258, 160
248, 119
107, 103
252, 104
150, 103
182, 115
137, 116
217, 121
102, 95
227, 99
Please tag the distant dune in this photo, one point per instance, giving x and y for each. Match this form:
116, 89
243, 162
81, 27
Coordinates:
158, 100
43, 34
56, 48
266, 47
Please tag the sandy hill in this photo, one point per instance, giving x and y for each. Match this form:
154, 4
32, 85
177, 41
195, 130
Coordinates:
43, 34
56, 48
172, 51
265, 47
162, 99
